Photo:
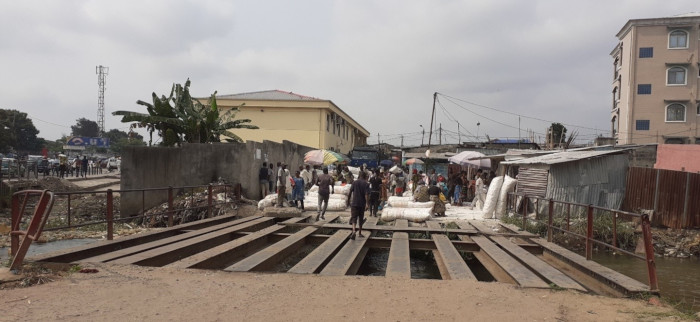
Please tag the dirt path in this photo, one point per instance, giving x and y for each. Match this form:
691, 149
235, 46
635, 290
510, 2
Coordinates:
132, 293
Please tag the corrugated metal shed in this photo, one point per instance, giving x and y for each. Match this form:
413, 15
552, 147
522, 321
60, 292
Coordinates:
561, 157
532, 182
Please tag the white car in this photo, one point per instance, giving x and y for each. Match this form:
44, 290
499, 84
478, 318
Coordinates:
113, 163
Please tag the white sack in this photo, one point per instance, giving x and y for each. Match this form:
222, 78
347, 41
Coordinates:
411, 214
507, 187
332, 196
355, 172
343, 190
395, 169
394, 199
313, 188
264, 203
311, 204
412, 204
492, 197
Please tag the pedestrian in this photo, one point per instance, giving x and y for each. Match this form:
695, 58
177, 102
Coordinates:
289, 185
421, 194
324, 182
264, 182
480, 191
415, 177
84, 166
375, 186
298, 191
358, 200
438, 205
307, 176
272, 178
432, 178
282, 180
314, 175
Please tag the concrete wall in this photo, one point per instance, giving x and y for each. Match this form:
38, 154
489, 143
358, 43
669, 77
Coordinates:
199, 164
679, 157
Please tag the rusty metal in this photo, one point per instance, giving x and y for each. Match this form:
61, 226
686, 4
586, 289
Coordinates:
209, 200
649, 250
16, 219
550, 214
589, 233
110, 215
614, 230
170, 206
36, 224
568, 217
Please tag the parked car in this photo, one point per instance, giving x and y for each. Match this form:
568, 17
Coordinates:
10, 168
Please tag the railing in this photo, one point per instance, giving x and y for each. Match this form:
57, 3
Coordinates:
590, 212
65, 198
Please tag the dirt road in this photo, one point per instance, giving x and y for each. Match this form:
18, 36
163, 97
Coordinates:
132, 293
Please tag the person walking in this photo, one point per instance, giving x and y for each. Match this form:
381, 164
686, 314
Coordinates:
480, 192
358, 200
263, 176
298, 191
324, 182
84, 166
282, 180
289, 185
307, 176
375, 186
271, 178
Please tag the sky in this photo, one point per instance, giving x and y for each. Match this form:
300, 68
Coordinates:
511, 66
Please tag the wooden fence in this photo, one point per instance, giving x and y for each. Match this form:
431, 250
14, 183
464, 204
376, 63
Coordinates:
674, 196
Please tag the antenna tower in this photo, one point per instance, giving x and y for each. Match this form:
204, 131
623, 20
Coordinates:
101, 72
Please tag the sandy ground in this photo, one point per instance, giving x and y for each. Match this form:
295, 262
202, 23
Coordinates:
132, 293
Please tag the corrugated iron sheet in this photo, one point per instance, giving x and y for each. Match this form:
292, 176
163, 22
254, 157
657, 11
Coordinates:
562, 157
673, 209
532, 182
598, 181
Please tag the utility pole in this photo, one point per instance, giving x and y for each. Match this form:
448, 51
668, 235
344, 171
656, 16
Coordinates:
101, 72
430, 136
459, 135
402, 141
440, 137
423, 136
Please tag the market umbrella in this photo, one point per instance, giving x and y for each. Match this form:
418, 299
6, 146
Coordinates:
463, 158
386, 163
413, 161
324, 157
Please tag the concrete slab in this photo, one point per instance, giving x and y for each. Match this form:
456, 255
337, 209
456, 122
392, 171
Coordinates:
284, 212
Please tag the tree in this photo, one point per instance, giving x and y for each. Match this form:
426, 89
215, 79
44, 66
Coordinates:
17, 132
181, 118
85, 127
558, 133
119, 139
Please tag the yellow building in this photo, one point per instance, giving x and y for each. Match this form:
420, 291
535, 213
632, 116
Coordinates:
297, 118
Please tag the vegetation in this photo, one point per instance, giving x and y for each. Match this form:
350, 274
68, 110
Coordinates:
17, 133
181, 118
86, 128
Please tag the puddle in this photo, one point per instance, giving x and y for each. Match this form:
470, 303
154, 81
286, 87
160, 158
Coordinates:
37, 248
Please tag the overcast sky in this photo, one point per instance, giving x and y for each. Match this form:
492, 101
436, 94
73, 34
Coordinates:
380, 61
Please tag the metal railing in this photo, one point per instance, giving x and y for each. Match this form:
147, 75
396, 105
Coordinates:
109, 214
590, 212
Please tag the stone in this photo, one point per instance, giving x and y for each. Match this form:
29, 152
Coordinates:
655, 301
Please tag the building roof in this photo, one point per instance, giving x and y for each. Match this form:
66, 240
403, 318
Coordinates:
678, 20
561, 157
271, 95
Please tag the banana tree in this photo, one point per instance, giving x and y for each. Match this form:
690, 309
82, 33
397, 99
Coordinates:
181, 118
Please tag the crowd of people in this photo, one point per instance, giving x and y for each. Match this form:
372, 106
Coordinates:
374, 187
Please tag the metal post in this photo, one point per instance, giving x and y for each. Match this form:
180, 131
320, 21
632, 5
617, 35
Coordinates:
649, 252
549, 222
656, 192
16, 218
143, 204
568, 217
525, 202
69, 209
209, 200
110, 215
684, 219
589, 234
614, 218
170, 206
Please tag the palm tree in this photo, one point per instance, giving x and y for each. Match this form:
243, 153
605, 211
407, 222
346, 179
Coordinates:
181, 118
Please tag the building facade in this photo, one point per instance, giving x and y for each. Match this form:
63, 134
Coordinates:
656, 81
297, 118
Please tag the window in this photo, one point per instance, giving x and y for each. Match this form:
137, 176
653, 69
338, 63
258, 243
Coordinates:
328, 122
678, 39
644, 89
675, 113
642, 125
646, 52
675, 141
676, 76
698, 112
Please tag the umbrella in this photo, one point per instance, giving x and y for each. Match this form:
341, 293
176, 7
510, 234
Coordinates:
324, 157
386, 163
413, 161
464, 159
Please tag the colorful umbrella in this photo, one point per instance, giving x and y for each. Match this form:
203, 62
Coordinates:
413, 161
464, 159
324, 157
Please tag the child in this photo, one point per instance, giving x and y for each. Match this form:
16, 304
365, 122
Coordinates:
298, 190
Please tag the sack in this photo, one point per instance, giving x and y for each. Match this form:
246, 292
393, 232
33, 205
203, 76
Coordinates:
442, 197
492, 197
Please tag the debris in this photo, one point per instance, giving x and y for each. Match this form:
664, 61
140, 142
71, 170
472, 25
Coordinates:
88, 270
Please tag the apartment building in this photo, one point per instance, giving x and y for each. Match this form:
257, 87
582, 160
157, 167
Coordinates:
301, 119
656, 79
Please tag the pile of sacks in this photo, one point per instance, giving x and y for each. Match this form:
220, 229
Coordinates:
336, 201
406, 208
497, 197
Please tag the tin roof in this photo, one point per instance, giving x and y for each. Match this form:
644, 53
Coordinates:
272, 95
562, 157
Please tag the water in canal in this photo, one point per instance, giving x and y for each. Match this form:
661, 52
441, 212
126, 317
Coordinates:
679, 278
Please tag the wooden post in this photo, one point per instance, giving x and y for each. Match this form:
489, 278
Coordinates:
589, 234
170, 206
684, 219
110, 215
649, 252
656, 191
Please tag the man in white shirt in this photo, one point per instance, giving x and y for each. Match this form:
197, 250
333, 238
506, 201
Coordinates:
282, 180
307, 176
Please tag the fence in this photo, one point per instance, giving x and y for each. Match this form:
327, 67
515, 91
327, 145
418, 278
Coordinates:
673, 196
561, 214
66, 219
